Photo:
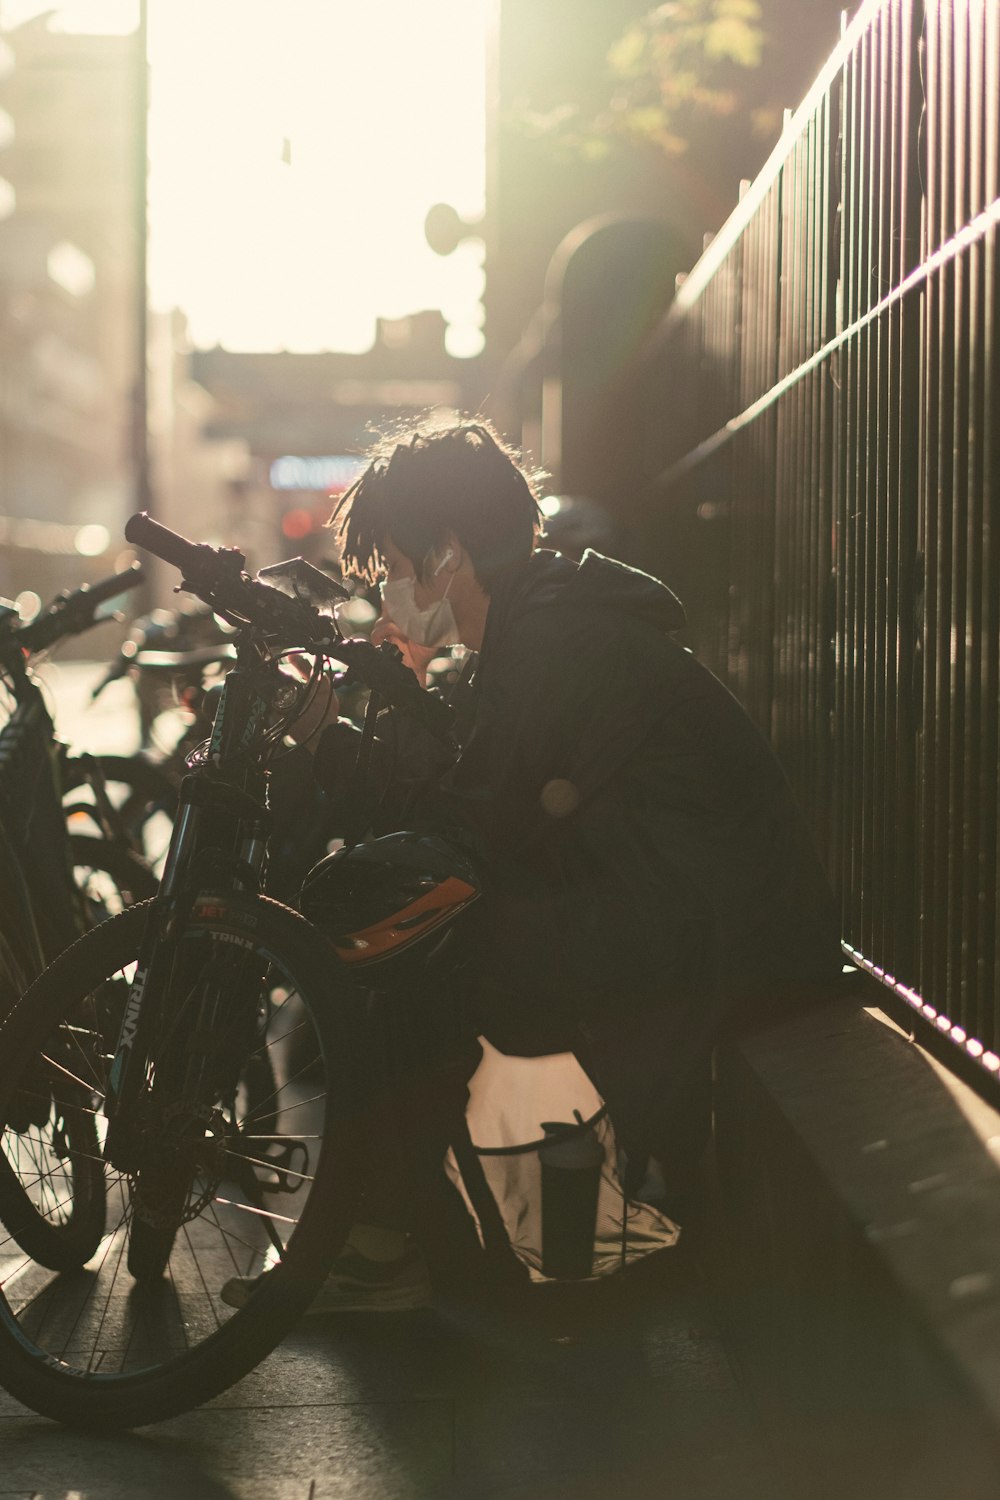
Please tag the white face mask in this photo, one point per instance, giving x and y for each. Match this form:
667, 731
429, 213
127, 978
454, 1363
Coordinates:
433, 626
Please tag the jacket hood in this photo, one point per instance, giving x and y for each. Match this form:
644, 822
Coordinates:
547, 580
602, 580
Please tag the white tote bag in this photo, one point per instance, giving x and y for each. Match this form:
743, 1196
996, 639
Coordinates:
511, 1101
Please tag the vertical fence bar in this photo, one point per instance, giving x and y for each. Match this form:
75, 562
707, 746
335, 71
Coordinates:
986, 395
905, 447
888, 389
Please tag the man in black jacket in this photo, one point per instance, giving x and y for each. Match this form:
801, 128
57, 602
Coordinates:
647, 874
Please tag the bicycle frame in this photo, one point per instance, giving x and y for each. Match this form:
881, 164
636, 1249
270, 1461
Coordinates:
217, 851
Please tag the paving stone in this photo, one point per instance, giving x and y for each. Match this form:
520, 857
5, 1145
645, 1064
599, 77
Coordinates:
295, 1453
351, 1359
644, 1450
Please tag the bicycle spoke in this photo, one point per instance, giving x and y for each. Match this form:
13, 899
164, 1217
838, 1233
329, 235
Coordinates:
264, 1213
296, 1137
229, 1238
270, 1166
208, 1296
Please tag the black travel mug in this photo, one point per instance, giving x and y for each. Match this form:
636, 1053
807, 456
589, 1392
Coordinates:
571, 1160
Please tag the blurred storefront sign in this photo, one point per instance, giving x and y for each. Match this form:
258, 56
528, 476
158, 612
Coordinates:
316, 472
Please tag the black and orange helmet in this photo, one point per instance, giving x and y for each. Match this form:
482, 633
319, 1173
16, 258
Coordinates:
381, 899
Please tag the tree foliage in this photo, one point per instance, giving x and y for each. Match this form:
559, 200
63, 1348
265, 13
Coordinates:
673, 66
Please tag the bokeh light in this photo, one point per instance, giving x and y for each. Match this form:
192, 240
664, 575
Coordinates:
92, 540
296, 148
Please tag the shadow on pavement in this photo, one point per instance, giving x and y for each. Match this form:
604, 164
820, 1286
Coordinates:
622, 1387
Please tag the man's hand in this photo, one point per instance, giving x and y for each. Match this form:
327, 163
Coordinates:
417, 658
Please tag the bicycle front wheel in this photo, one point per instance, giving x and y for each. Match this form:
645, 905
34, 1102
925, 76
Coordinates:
263, 1180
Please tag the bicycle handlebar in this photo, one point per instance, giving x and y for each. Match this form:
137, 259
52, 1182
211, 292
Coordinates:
216, 576
72, 613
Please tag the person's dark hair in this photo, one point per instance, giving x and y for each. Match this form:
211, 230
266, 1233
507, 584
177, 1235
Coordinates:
425, 480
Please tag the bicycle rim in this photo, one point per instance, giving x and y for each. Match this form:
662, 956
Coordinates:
100, 1346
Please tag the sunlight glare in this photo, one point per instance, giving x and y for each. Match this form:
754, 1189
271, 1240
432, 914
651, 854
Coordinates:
295, 150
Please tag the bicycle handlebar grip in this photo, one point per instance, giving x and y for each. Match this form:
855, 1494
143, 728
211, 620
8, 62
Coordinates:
71, 614
168, 545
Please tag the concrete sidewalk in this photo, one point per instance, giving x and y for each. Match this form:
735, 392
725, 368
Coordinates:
606, 1389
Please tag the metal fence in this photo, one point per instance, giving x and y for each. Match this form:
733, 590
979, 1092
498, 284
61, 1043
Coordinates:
823, 422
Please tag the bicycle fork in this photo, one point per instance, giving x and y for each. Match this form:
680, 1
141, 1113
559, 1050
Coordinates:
189, 1051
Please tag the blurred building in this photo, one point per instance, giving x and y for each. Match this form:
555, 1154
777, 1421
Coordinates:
66, 300
70, 296
305, 420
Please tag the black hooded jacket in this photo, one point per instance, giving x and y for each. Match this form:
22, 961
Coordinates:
640, 841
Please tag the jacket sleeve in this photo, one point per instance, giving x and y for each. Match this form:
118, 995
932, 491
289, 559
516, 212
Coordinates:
562, 704
406, 765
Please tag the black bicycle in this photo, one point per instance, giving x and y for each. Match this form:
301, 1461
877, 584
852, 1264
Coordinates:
55, 883
157, 1026
58, 873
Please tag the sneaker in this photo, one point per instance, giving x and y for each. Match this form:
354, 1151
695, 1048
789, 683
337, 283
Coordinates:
355, 1284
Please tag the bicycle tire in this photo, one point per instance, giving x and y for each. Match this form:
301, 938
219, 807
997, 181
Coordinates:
63, 1357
